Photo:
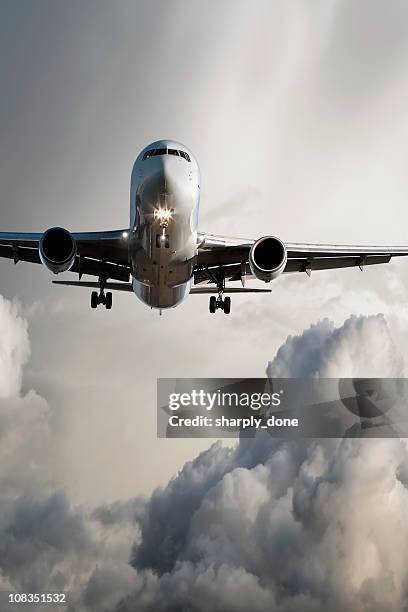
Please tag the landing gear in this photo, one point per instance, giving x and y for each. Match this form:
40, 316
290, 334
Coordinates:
101, 298
219, 302
227, 305
94, 299
213, 304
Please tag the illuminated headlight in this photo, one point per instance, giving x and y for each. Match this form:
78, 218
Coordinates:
162, 214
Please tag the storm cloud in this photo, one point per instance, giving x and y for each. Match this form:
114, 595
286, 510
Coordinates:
267, 524
46, 542
285, 525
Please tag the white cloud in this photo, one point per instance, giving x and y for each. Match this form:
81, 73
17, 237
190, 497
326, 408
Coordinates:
286, 525
361, 344
15, 348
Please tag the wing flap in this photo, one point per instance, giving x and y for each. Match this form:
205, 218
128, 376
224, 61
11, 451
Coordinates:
19, 253
109, 246
95, 267
223, 256
331, 263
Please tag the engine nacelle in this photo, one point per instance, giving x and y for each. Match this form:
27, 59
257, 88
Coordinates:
57, 249
267, 258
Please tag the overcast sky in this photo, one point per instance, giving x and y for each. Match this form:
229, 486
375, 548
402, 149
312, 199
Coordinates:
296, 113
297, 116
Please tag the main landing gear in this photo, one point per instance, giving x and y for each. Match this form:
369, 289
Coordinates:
220, 303
101, 298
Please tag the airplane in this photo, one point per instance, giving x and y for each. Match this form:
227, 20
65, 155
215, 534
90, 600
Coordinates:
162, 257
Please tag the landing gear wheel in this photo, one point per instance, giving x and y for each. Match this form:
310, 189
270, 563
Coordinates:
94, 299
108, 301
213, 304
227, 305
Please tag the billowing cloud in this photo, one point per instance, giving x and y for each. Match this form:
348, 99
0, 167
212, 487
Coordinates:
285, 525
46, 543
268, 524
15, 348
362, 344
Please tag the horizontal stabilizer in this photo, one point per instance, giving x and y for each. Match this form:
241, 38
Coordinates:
128, 287
96, 285
229, 290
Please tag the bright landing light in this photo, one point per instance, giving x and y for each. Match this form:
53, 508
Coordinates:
162, 214
125, 234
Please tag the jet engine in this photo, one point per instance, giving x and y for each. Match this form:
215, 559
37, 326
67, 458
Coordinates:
57, 249
267, 258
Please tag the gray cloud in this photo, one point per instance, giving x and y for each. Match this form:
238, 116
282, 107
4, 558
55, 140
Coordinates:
39, 536
266, 524
46, 543
285, 525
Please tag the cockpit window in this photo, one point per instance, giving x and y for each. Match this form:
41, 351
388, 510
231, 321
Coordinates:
185, 155
160, 152
153, 152
148, 154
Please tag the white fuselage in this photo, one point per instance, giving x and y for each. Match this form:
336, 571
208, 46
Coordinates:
164, 207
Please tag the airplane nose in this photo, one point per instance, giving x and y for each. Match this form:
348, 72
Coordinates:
166, 185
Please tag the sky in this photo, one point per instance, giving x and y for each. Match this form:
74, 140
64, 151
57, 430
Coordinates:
296, 113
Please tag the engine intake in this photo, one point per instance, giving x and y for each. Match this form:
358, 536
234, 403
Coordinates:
267, 258
57, 249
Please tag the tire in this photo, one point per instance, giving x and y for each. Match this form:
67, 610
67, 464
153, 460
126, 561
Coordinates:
108, 303
94, 299
213, 304
227, 305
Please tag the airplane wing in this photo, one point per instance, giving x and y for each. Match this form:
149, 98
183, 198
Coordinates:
231, 256
98, 253
105, 254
